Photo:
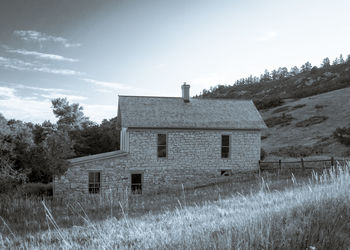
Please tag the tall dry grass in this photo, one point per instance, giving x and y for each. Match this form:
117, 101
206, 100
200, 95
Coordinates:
314, 215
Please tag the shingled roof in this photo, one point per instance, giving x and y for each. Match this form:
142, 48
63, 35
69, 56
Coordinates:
173, 112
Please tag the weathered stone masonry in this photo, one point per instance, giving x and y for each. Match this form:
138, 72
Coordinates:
193, 158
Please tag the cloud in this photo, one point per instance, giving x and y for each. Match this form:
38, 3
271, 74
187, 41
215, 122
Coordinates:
40, 37
34, 107
98, 112
26, 109
107, 85
267, 36
41, 89
7, 92
60, 95
40, 55
17, 64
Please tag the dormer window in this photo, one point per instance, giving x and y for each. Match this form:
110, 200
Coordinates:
162, 146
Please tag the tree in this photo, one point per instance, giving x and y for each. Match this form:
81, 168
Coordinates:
282, 72
274, 74
294, 71
341, 59
325, 63
306, 67
336, 61
70, 116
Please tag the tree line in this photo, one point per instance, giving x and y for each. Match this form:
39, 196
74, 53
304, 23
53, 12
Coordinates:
35, 152
282, 73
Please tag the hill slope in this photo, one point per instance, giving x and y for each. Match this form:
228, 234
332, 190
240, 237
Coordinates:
308, 125
313, 82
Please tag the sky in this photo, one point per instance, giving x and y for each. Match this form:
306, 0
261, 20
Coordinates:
92, 51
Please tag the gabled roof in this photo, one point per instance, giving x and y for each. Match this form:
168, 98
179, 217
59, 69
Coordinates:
173, 112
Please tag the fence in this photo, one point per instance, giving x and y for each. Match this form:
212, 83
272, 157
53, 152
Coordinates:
301, 164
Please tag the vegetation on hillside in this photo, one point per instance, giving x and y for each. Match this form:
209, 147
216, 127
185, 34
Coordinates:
343, 135
271, 88
35, 152
310, 216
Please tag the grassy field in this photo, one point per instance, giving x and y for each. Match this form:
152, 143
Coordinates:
272, 213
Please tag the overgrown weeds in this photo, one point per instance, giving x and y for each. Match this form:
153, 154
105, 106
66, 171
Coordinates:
312, 215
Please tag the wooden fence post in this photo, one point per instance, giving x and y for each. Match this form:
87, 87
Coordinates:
332, 161
302, 164
259, 167
280, 164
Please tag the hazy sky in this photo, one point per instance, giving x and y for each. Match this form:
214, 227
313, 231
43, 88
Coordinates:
91, 51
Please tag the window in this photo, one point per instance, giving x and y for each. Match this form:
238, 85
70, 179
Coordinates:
94, 182
136, 183
161, 149
225, 146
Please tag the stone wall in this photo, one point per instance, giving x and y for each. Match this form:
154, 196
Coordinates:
193, 158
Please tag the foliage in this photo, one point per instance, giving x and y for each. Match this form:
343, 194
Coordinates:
267, 103
343, 135
283, 120
37, 189
311, 121
70, 116
282, 84
40, 151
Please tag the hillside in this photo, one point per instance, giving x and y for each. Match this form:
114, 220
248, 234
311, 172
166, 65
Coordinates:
302, 111
305, 127
312, 82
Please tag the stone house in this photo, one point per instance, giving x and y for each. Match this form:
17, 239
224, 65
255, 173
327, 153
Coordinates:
170, 142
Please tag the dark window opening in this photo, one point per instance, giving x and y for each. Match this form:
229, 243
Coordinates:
226, 172
94, 182
225, 146
161, 145
136, 183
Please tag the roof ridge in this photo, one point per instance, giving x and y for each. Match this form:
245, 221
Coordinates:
174, 97
144, 96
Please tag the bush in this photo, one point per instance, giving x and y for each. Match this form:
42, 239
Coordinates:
267, 103
299, 151
298, 106
311, 121
342, 135
37, 189
281, 109
282, 120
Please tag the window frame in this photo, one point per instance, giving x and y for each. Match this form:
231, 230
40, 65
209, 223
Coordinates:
94, 187
140, 184
160, 145
229, 146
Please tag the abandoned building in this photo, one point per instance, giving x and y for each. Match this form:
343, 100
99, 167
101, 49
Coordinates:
170, 142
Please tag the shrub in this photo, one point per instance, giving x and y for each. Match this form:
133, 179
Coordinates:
298, 106
311, 121
281, 109
267, 103
282, 120
319, 106
299, 151
37, 189
342, 135
9, 178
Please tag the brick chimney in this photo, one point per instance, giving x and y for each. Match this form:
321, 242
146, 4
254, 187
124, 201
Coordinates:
185, 92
